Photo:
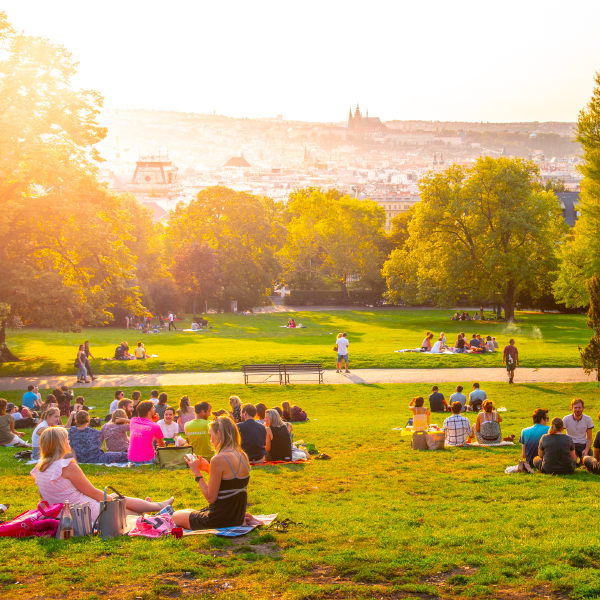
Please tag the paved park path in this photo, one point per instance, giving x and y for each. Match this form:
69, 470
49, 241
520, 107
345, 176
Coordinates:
571, 375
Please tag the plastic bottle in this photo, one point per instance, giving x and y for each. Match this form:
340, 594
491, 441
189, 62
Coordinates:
66, 523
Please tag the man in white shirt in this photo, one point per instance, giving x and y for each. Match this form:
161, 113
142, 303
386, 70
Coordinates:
119, 395
171, 323
342, 344
457, 428
579, 427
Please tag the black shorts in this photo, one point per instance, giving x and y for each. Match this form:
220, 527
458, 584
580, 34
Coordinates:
511, 367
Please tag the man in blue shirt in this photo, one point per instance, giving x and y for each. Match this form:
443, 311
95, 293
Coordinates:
530, 436
30, 397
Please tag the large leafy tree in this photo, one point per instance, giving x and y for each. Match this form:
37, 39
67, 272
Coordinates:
580, 255
244, 233
63, 253
590, 355
488, 230
331, 238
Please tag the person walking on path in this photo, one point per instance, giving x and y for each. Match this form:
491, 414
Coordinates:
171, 323
342, 344
511, 358
88, 356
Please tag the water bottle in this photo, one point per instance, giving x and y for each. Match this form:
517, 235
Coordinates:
66, 523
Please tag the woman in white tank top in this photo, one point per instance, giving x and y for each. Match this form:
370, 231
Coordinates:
51, 418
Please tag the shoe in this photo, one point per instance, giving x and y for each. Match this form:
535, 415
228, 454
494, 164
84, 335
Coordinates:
94, 378
527, 467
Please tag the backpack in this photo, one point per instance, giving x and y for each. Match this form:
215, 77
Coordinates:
119, 352
490, 432
476, 406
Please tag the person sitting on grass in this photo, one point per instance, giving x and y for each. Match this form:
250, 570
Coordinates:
459, 346
495, 344
457, 428
49, 402
86, 442
286, 409
59, 478
114, 433
293, 324
21, 421
254, 435
31, 398
236, 409
125, 404
261, 410
119, 395
474, 343
196, 431
487, 426
185, 413
63, 401
592, 463
140, 351
530, 436
79, 401
278, 443
489, 344
556, 452
438, 347
579, 427
162, 405
8, 435
437, 402
170, 428
136, 398
420, 414
286, 423
298, 415
226, 491
458, 396
153, 397
51, 418
426, 343
142, 433
476, 398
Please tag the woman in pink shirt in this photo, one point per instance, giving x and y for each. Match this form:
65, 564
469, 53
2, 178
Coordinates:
142, 433
60, 479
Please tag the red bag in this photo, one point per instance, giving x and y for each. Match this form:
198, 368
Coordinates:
39, 522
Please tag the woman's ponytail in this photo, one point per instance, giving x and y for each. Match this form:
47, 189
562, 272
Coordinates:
557, 426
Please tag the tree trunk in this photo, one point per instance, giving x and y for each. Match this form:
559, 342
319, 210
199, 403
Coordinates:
509, 302
5, 354
345, 296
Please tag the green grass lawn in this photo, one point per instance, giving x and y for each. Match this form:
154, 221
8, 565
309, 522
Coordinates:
234, 340
379, 520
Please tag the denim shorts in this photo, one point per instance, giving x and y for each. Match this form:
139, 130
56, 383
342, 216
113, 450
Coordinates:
342, 357
146, 462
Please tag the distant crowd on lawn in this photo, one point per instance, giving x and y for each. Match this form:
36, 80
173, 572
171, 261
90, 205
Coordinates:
224, 443
542, 446
462, 345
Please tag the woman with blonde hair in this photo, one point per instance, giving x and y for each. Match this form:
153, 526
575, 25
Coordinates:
487, 426
236, 408
114, 433
286, 410
59, 478
420, 413
50, 418
556, 452
229, 474
279, 443
185, 413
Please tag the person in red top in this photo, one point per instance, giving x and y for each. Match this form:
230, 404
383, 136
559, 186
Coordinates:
511, 358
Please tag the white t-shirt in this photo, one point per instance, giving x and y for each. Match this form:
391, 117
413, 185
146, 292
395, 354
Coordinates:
437, 348
154, 401
578, 429
169, 431
342, 345
113, 406
171, 317
17, 416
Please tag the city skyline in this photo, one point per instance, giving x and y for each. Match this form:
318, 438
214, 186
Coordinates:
462, 62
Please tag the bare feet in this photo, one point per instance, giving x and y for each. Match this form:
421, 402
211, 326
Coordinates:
165, 503
250, 520
148, 499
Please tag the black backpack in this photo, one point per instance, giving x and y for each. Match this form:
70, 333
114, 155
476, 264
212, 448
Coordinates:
119, 352
476, 406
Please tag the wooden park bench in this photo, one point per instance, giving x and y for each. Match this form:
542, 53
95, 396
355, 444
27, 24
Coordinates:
269, 370
309, 368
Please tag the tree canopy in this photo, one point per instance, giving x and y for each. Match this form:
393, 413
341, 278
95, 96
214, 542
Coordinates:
487, 231
331, 237
579, 256
63, 252
244, 232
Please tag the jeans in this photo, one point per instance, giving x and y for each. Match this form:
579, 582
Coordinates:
82, 374
592, 465
171, 324
89, 368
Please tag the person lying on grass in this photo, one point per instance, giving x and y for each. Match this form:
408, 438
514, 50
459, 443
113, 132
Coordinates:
420, 414
556, 452
86, 442
226, 490
278, 443
59, 478
8, 435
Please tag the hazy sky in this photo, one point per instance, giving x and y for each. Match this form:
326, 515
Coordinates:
516, 60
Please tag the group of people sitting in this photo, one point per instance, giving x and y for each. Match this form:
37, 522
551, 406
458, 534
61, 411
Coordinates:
122, 352
224, 444
291, 323
477, 344
457, 428
462, 316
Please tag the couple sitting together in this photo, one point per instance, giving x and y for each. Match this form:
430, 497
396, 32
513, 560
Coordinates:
59, 478
457, 428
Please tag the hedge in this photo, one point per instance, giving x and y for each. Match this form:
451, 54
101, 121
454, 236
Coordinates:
321, 297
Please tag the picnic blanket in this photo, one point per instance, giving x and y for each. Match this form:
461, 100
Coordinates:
478, 445
446, 352
122, 465
234, 531
297, 327
282, 462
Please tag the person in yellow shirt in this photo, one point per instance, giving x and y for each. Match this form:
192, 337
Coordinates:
140, 351
196, 431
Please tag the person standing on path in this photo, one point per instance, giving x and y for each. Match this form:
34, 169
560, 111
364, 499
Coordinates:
342, 344
511, 358
171, 323
88, 356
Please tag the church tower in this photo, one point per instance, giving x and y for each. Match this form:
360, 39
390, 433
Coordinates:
350, 119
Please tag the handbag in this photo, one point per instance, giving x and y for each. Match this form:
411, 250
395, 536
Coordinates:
111, 518
39, 522
172, 457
